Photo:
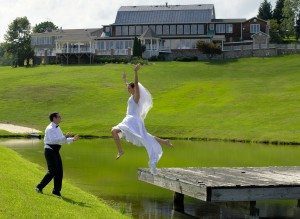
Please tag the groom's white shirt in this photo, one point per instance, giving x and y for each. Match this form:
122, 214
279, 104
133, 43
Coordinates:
54, 135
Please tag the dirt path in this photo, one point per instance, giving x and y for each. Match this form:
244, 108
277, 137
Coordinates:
17, 129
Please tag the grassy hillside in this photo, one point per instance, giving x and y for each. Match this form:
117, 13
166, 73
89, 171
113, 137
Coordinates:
19, 200
252, 98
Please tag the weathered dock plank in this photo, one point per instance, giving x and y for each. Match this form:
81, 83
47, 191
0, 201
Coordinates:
228, 184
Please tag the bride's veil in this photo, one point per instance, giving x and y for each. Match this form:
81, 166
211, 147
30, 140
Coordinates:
145, 101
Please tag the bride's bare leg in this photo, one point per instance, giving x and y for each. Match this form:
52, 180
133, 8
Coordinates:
116, 137
163, 141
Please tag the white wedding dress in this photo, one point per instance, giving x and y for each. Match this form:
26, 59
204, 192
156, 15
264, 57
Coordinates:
133, 128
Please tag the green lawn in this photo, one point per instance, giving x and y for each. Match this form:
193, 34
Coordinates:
252, 98
4, 133
19, 200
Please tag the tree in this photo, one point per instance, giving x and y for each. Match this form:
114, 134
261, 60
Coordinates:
5, 58
297, 29
18, 41
138, 48
265, 10
275, 36
44, 26
288, 22
278, 11
135, 47
210, 49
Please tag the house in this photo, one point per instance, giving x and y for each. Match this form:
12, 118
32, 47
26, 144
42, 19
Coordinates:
58, 44
161, 28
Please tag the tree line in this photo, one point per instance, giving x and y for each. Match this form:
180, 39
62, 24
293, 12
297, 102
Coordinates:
16, 49
284, 19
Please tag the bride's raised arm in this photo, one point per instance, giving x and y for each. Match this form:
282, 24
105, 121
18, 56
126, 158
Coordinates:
136, 95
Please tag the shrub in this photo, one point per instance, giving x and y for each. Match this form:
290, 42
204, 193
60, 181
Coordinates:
105, 60
187, 59
136, 60
160, 57
210, 49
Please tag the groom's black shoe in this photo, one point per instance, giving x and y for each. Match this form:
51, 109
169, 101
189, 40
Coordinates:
38, 190
56, 193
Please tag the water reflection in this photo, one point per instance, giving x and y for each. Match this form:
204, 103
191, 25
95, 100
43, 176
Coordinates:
14, 143
91, 165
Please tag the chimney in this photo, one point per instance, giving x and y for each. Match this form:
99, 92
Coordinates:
166, 4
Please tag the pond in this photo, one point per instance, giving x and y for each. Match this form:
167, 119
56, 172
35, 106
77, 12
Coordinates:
91, 165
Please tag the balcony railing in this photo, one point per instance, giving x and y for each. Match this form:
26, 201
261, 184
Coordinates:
75, 50
109, 52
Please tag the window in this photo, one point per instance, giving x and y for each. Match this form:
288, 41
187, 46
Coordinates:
254, 28
107, 45
131, 30
107, 29
111, 45
121, 44
220, 28
118, 30
175, 44
185, 43
173, 30
100, 45
166, 30
179, 29
200, 29
118, 45
229, 28
152, 27
138, 30
187, 29
159, 30
125, 30
127, 44
144, 28
194, 29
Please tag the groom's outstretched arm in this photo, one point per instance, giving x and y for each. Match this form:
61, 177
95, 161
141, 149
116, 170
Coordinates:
57, 137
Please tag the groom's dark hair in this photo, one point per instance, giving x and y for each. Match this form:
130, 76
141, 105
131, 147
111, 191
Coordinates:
131, 84
52, 115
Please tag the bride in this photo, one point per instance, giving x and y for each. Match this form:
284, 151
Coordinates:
132, 128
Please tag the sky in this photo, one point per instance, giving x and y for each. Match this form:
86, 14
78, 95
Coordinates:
95, 13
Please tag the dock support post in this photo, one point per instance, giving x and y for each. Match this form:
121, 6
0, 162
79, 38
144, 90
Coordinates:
253, 210
178, 202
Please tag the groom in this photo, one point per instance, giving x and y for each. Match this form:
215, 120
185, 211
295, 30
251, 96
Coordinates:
53, 140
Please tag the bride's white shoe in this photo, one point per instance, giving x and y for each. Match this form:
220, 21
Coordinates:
119, 155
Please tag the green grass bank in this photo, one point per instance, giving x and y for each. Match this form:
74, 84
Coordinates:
19, 200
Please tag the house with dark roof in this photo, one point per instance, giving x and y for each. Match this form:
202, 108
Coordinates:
161, 28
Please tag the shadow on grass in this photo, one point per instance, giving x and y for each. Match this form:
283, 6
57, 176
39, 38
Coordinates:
221, 62
71, 201
81, 204
81, 65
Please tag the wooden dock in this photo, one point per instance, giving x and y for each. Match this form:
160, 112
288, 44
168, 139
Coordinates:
227, 184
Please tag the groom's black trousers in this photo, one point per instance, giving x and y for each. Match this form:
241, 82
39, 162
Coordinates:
55, 168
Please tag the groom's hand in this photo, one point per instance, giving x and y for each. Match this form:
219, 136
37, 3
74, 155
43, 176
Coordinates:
137, 67
76, 137
68, 135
